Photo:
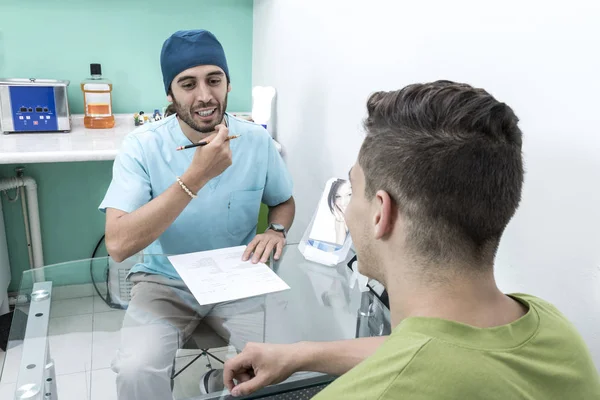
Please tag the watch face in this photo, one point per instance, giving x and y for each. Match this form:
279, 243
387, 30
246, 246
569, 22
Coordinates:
278, 227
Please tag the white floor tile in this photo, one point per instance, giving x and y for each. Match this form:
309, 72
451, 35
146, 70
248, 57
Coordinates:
88, 382
72, 353
187, 384
100, 305
104, 349
72, 387
102, 289
106, 338
109, 321
7, 390
72, 324
104, 385
71, 343
70, 307
12, 362
72, 291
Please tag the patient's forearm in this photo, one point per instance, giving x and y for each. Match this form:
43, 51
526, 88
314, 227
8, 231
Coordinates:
335, 358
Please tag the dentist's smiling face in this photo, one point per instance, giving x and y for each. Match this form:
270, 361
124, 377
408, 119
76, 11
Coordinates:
199, 97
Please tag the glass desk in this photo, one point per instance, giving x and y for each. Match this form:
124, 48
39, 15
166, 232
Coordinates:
64, 336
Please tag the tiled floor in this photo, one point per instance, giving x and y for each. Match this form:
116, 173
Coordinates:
84, 336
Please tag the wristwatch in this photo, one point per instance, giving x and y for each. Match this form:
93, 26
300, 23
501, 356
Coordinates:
278, 228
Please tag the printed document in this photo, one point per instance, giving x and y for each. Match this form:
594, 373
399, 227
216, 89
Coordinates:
220, 275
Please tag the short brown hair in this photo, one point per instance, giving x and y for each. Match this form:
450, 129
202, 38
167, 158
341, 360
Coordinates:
171, 107
170, 110
450, 157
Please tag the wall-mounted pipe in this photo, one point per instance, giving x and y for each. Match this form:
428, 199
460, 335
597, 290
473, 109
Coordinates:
4, 267
33, 210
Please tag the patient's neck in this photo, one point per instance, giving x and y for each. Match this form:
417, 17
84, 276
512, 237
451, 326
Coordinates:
462, 293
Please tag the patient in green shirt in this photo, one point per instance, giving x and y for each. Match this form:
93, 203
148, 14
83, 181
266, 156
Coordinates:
438, 178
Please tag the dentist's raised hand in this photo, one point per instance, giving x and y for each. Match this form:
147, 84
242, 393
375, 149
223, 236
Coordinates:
209, 161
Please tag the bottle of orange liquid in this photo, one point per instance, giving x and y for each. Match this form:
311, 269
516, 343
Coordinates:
97, 100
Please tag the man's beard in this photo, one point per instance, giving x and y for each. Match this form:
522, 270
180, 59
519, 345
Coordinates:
187, 115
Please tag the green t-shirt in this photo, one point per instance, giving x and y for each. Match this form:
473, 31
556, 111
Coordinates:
539, 356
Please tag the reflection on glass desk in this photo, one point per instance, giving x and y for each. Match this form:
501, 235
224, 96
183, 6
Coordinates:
64, 336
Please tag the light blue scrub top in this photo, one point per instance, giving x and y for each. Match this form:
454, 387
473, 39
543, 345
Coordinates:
224, 214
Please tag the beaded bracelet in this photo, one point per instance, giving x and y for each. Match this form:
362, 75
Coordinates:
185, 188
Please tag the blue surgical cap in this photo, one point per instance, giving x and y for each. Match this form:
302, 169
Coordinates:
187, 49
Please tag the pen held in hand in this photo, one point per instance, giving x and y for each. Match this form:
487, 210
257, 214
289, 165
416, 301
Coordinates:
204, 143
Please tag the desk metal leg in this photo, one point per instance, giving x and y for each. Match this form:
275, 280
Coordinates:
364, 314
50, 392
37, 380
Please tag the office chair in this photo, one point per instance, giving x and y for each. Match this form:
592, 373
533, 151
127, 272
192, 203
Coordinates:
204, 338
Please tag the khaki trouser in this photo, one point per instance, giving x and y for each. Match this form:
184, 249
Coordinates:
160, 318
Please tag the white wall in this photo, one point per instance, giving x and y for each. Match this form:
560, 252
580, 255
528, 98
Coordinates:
325, 57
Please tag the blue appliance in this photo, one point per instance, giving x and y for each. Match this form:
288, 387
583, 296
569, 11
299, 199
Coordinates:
34, 105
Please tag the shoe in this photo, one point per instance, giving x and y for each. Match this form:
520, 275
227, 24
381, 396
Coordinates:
212, 381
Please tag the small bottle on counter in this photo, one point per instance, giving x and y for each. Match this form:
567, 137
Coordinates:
97, 100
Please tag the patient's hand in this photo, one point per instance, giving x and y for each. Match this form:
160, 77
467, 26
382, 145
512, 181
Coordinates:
259, 365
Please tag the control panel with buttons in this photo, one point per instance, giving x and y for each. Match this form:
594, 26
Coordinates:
33, 109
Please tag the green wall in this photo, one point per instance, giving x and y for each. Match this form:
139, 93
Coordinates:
69, 195
58, 40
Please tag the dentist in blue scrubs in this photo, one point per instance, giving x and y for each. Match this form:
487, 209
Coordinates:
164, 201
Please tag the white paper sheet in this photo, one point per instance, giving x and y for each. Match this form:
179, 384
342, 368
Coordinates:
220, 275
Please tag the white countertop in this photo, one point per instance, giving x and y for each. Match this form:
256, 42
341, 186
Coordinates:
80, 144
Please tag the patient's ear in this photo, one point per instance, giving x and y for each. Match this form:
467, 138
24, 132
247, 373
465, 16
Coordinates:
385, 215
